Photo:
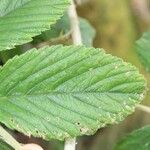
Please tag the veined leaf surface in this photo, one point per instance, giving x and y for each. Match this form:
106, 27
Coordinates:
20, 20
62, 92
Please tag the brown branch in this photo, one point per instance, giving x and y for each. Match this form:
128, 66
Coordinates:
143, 108
53, 41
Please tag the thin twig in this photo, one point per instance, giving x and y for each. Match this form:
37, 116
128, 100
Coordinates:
80, 2
70, 144
74, 25
143, 108
77, 40
4, 135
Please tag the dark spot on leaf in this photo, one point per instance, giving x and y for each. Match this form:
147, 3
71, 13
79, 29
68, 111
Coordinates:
37, 131
12, 120
78, 123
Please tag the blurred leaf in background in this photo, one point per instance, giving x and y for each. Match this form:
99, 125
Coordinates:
137, 140
143, 49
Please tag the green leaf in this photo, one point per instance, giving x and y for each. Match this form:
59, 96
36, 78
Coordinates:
63, 27
87, 32
138, 140
4, 146
143, 49
20, 20
61, 92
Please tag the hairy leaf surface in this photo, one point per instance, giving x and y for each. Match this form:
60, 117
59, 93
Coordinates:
143, 49
20, 20
138, 140
62, 92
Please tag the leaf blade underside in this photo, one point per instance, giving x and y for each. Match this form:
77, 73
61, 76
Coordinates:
62, 92
20, 20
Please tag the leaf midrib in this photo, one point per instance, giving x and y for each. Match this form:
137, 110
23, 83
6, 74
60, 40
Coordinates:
65, 93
